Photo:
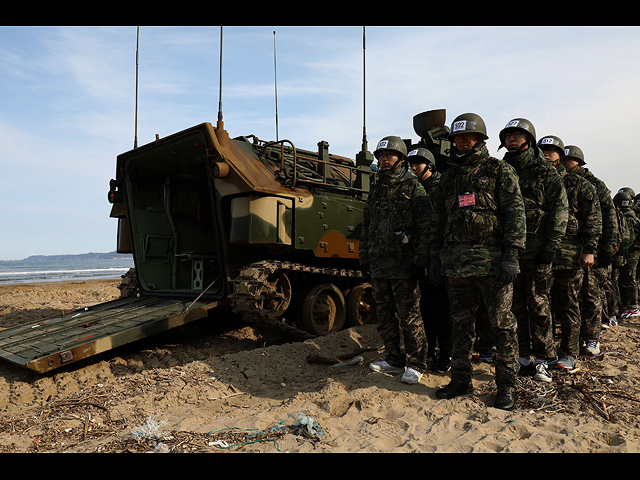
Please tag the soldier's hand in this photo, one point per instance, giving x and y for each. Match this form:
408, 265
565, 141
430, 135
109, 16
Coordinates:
435, 271
604, 259
507, 270
585, 260
416, 272
544, 257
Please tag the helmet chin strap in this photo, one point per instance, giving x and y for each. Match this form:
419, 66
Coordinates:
392, 167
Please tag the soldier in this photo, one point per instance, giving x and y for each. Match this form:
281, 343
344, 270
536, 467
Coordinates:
629, 228
627, 278
477, 232
547, 210
394, 249
434, 301
592, 294
576, 252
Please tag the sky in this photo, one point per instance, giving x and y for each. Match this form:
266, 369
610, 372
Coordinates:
68, 102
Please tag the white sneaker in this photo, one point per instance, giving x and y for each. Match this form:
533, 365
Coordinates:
592, 348
542, 373
383, 367
632, 312
411, 376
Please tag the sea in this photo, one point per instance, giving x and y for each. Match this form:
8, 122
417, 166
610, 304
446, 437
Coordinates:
60, 268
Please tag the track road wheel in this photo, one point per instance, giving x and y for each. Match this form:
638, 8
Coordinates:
277, 293
323, 309
361, 307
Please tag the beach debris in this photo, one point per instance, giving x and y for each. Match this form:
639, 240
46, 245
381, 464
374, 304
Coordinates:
150, 430
355, 360
313, 428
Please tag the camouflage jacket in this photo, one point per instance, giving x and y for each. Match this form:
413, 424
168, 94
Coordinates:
395, 225
629, 230
478, 216
610, 235
585, 221
545, 201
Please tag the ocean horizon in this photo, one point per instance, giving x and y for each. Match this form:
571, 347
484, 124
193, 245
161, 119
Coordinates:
58, 268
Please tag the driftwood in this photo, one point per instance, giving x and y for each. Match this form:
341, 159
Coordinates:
328, 360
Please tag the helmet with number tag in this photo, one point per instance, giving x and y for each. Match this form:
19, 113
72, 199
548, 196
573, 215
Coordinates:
422, 155
391, 143
551, 141
623, 200
517, 124
468, 123
574, 152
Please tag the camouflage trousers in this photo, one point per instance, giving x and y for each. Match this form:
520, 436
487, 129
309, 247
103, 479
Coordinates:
627, 283
565, 303
592, 302
465, 295
532, 310
400, 322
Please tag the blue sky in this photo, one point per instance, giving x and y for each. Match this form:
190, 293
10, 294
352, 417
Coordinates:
68, 102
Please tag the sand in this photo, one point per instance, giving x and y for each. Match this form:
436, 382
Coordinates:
218, 385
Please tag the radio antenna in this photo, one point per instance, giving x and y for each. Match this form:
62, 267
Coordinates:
221, 133
275, 76
220, 89
135, 135
364, 157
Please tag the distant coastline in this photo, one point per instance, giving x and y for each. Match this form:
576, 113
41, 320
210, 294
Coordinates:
80, 256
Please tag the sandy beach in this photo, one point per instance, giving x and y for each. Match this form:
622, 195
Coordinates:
218, 385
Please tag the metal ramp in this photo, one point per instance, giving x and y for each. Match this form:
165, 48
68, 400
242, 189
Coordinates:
61, 340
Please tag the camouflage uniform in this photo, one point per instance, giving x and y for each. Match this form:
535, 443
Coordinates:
627, 228
479, 220
547, 209
592, 293
434, 303
393, 237
626, 274
583, 231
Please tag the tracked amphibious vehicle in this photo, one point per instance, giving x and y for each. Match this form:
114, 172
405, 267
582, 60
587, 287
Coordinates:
263, 229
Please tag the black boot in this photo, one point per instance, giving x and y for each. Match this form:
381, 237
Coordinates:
505, 400
454, 389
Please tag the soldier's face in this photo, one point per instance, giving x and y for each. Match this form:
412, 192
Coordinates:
387, 158
551, 155
514, 139
466, 141
569, 163
420, 169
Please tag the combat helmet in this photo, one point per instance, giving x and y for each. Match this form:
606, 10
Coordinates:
392, 143
519, 124
574, 152
628, 190
422, 155
553, 142
468, 123
623, 200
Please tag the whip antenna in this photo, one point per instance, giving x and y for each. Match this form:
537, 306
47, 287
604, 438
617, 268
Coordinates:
135, 134
221, 133
220, 89
275, 76
364, 91
364, 157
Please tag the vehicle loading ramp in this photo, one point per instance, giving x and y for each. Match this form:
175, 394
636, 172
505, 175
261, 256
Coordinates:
61, 340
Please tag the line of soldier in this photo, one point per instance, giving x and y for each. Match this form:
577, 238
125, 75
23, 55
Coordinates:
511, 248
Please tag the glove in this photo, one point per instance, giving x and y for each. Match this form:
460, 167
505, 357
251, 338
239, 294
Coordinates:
544, 257
507, 270
416, 272
604, 259
435, 271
